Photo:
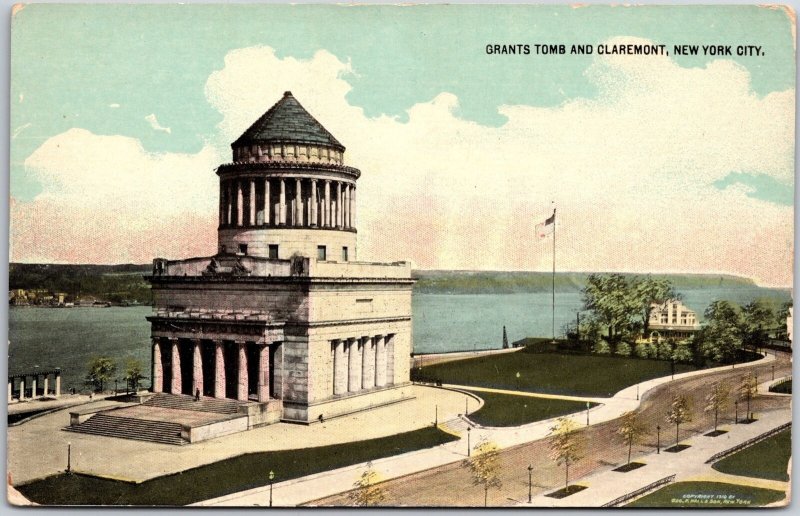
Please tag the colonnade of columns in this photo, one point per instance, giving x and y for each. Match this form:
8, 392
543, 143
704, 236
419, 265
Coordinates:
362, 363
296, 202
174, 384
24, 387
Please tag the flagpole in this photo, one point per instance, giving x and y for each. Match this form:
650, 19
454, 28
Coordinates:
554, 277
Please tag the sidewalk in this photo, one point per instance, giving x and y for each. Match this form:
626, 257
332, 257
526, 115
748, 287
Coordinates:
687, 465
315, 487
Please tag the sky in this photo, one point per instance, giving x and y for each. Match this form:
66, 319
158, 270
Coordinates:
121, 113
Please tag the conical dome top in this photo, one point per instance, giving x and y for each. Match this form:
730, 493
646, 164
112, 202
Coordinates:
288, 122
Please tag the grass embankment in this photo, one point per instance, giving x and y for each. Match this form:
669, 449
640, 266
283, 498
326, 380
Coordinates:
552, 373
224, 477
782, 388
708, 495
510, 410
768, 459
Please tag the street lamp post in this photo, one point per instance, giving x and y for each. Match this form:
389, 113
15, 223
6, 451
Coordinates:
116, 386
756, 383
587, 412
69, 457
517, 380
530, 482
469, 449
672, 365
736, 418
637, 392
271, 478
658, 439
436, 421
773, 372
466, 406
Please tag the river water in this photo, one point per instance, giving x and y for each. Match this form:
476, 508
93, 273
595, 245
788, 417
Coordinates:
69, 337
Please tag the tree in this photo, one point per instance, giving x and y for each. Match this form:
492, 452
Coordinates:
679, 412
747, 389
133, 373
757, 317
721, 338
612, 301
683, 352
566, 444
717, 400
664, 350
484, 466
367, 492
101, 370
630, 430
651, 293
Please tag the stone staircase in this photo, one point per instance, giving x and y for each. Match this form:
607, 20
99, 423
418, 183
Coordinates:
130, 428
186, 402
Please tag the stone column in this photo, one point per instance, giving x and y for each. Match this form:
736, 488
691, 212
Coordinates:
58, 384
327, 208
380, 361
263, 373
157, 374
22, 388
252, 205
222, 203
338, 218
353, 207
340, 367
239, 204
241, 393
266, 202
46, 385
368, 364
298, 203
353, 366
346, 222
314, 201
10, 386
219, 370
175, 384
282, 203
33, 387
229, 206
197, 368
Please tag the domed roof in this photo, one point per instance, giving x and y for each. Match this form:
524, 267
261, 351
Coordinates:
287, 122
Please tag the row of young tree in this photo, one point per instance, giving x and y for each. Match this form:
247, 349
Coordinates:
620, 308
567, 443
103, 370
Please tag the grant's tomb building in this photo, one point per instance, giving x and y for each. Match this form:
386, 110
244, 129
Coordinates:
284, 319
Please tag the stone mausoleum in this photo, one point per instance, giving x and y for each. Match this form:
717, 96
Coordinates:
284, 317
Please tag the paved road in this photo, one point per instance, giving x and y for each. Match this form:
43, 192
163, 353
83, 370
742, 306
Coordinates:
429, 477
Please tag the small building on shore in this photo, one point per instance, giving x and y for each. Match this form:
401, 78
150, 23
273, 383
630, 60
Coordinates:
672, 320
283, 314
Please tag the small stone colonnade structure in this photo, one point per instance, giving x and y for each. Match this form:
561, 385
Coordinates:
20, 388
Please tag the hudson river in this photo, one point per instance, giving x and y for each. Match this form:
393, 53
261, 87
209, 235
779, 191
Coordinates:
69, 337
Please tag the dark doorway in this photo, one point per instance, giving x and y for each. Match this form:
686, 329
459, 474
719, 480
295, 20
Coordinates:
209, 371
274, 358
231, 353
252, 369
166, 365
186, 350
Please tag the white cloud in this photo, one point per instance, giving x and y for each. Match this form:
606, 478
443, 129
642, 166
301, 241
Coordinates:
631, 172
115, 105
153, 121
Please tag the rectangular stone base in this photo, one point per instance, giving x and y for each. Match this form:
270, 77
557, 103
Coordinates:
344, 404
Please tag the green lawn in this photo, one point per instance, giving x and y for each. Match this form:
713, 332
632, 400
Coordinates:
511, 410
767, 459
783, 388
708, 495
228, 476
552, 373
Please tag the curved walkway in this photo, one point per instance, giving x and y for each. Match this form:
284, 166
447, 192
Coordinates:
315, 487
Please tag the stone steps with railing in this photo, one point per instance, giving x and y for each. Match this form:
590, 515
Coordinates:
129, 428
186, 402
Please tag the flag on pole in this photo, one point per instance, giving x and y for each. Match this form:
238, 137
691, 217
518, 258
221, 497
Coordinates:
545, 228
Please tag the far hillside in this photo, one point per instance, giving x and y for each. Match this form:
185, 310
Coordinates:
499, 282
112, 283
